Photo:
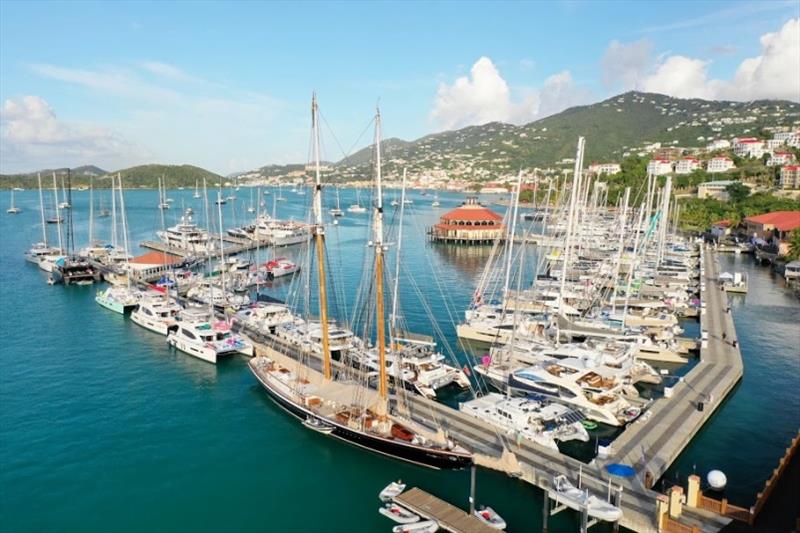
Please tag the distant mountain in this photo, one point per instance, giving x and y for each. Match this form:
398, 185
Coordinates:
139, 176
613, 127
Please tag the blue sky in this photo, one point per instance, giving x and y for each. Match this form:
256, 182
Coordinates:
227, 85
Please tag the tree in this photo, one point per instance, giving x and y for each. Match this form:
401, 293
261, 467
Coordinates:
794, 245
737, 192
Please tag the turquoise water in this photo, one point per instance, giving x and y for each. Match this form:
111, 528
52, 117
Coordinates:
104, 429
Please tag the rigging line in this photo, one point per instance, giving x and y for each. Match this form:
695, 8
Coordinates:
346, 154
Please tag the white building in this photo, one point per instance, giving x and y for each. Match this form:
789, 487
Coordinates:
774, 144
780, 157
719, 144
659, 167
789, 138
790, 177
748, 147
604, 168
715, 189
687, 165
719, 164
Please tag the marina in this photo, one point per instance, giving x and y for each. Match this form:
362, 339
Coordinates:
636, 504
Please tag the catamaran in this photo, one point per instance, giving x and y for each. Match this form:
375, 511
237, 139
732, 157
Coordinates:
351, 411
38, 253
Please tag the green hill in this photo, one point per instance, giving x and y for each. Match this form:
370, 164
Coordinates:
619, 125
140, 176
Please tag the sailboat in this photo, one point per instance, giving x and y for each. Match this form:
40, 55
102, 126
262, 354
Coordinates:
162, 194
337, 211
196, 191
435, 202
13, 210
65, 204
280, 197
41, 249
103, 212
355, 413
251, 208
357, 207
120, 298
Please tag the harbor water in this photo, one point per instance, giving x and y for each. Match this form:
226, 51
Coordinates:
103, 428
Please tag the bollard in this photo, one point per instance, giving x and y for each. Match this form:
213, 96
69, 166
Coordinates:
662, 505
675, 502
693, 491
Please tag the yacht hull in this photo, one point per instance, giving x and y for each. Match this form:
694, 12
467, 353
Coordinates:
436, 459
162, 328
111, 305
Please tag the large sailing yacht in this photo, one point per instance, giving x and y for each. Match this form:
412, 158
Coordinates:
348, 410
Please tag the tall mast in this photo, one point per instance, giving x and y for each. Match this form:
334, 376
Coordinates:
393, 316
114, 214
319, 238
576, 191
620, 245
221, 245
41, 209
383, 389
125, 230
58, 216
91, 210
512, 229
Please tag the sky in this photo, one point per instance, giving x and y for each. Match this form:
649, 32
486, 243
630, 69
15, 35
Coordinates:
227, 86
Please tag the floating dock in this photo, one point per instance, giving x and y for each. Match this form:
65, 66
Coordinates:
448, 516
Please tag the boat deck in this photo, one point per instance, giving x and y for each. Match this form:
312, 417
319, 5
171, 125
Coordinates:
449, 517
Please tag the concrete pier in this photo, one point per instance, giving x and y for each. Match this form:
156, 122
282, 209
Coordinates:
650, 444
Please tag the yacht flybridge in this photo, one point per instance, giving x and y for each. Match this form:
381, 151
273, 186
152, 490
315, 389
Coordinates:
350, 410
187, 236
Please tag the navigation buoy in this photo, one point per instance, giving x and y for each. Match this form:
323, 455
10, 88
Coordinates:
717, 479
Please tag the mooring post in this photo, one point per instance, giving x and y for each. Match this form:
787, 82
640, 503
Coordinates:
545, 506
472, 489
585, 516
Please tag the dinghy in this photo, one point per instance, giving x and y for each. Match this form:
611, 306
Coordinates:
392, 490
426, 526
489, 516
317, 425
399, 514
575, 498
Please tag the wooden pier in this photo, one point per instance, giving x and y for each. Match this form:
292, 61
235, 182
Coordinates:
449, 517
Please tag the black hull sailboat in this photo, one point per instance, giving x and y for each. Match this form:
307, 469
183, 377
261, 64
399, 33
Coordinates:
440, 459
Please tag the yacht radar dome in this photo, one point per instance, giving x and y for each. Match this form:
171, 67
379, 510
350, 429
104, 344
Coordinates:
717, 479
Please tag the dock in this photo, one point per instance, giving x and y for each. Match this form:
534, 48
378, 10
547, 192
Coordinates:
650, 444
448, 516
236, 246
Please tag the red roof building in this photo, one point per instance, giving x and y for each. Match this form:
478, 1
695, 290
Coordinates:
471, 223
152, 259
774, 226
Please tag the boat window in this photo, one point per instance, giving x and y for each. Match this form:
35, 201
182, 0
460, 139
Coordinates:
188, 334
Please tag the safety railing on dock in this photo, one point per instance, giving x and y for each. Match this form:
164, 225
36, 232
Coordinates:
763, 496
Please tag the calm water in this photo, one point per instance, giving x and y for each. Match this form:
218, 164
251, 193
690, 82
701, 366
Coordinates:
104, 429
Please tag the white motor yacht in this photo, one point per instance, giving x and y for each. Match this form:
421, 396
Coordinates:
208, 341
157, 313
187, 236
526, 418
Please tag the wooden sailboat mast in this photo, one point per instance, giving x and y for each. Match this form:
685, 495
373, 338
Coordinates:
383, 388
319, 238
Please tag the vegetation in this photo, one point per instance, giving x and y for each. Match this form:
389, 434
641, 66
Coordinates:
145, 176
698, 215
794, 245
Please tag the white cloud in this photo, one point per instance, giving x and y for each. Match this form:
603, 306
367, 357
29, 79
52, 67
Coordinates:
485, 96
33, 137
526, 64
625, 64
772, 74
167, 71
682, 77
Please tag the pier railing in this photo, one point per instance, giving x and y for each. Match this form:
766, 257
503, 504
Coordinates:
763, 496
